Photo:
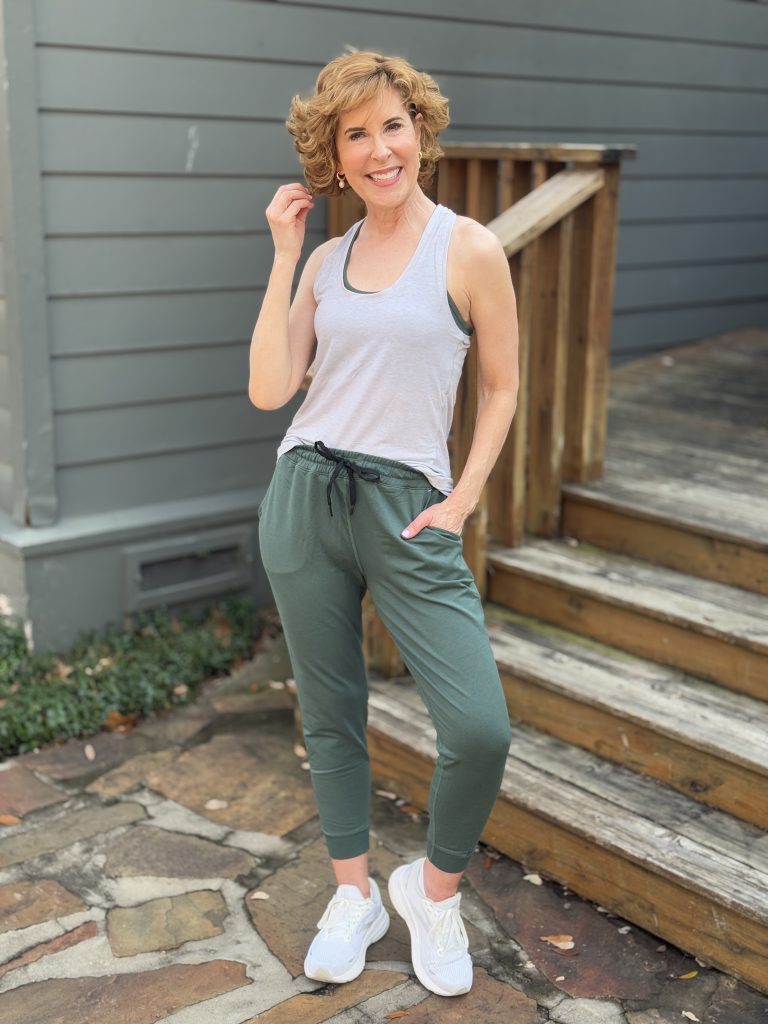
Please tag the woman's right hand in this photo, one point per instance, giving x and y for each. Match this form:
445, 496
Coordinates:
286, 216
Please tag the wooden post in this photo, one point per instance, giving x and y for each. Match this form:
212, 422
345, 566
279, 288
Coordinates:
481, 204
594, 261
507, 483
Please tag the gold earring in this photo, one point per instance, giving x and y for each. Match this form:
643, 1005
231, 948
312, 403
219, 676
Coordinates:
340, 179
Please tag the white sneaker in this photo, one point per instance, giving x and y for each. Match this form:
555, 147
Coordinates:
439, 943
349, 924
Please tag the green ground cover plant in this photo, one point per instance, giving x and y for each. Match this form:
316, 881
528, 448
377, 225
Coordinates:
157, 661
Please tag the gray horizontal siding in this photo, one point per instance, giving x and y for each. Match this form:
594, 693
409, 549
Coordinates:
152, 263
130, 83
121, 379
94, 205
174, 475
684, 20
675, 326
98, 144
162, 142
101, 435
285, 32
143, 323
666, 287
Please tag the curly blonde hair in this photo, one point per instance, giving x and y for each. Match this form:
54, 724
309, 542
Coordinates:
346, 82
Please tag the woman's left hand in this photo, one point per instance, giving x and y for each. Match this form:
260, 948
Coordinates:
444, 514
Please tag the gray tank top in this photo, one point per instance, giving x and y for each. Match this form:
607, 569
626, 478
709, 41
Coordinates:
388, 363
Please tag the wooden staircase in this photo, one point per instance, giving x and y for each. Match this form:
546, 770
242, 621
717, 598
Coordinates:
620, 547
633, 651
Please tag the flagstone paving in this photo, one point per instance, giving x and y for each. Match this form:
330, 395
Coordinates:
175, 872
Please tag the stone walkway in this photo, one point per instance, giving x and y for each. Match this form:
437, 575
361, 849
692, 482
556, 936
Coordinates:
176, 873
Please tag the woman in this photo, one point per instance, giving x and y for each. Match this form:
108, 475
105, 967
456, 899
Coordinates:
386, 313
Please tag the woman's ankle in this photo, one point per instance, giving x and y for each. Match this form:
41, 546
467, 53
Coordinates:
353, 871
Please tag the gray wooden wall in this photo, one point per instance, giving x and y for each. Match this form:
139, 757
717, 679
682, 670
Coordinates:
161, 141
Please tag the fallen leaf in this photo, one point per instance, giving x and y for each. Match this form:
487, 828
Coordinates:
624, 929
690, 974
560, 977
534, 878
222, 627
290, 684
299, 751
9, 819
118, 722
397, 1013
61, 670
216, 805
689, 1015
276, 684
305, 765
89, 752
560, 941
662, 948
180, 689
386, 793
259, 895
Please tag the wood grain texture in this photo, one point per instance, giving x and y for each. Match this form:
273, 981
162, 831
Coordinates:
741, 670
686, 479
609, 835
706, 741
653, 530
562, 192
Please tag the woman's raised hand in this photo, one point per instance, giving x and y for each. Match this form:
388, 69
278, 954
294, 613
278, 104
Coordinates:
286, 216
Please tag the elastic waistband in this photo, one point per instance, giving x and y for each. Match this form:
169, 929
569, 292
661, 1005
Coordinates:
386, 467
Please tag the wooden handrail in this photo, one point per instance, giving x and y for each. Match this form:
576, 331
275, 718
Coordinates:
532, 215
579, 152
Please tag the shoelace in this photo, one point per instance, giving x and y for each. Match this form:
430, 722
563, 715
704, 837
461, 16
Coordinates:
341, 916
446, 929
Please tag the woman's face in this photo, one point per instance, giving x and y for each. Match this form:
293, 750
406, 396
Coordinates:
378, 149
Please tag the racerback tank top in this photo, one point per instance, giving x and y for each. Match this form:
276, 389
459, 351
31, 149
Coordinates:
388, 363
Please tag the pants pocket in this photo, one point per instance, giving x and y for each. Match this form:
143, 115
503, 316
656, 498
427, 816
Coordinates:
435, 498
284, 520
444, 533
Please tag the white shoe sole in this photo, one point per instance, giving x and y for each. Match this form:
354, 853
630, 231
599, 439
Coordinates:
400, 902
377, 930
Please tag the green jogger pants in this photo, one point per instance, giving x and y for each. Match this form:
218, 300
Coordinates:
329, 529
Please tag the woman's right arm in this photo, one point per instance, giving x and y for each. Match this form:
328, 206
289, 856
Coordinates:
283, 341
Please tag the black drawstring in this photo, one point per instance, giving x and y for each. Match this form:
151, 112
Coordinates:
351, 468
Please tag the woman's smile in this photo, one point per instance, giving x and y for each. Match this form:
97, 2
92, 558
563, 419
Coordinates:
385, 178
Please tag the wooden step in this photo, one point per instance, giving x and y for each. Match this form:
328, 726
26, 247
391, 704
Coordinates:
708, 629
690, 525
705, 741
690, 874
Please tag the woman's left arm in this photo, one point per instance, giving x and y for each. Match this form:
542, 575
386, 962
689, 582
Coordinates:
493, 314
